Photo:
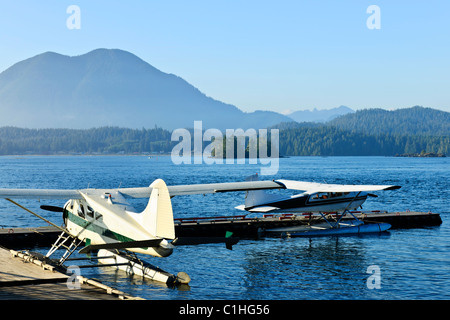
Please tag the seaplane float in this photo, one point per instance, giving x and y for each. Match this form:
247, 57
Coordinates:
104, 221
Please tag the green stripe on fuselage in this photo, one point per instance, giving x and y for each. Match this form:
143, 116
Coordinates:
91, 226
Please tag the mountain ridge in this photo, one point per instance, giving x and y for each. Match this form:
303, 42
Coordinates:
316, 115
113, 87
416, 120
110, 87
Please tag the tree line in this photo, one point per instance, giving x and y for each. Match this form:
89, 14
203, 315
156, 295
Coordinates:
104, 140
294, 140
331, 141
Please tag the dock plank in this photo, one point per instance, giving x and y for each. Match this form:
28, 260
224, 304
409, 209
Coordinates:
53, 291
15, 271
21, 279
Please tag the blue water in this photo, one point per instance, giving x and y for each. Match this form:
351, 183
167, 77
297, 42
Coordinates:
412, 263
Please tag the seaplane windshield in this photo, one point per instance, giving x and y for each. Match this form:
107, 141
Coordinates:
80, 211
90, 212
98, 215
328, 195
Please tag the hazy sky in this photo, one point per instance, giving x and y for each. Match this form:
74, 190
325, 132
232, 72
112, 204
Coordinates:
266, 55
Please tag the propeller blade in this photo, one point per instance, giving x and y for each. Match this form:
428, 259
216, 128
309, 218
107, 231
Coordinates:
52, 208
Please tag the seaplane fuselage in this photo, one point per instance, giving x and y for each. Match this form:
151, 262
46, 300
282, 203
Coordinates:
316, 202
109, 218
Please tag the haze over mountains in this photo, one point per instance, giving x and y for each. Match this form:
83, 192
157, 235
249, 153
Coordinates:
316, 115
110, 88
123, 98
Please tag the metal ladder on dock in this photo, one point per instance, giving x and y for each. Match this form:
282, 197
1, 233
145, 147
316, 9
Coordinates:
63, 241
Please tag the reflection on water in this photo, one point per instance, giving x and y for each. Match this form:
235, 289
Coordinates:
306, 267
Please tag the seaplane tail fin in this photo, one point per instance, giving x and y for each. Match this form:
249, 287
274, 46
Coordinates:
259, 197
158, 215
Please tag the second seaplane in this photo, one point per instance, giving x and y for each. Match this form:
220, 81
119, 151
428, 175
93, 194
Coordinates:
102, 220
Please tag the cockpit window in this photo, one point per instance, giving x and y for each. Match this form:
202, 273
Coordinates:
81, 211
90, 212
320, 195
327, 195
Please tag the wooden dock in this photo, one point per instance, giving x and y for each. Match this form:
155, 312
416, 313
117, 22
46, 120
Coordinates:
241, 226
23, 277
22, 238
253, 228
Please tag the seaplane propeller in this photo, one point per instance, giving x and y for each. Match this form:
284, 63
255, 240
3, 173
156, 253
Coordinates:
52, 208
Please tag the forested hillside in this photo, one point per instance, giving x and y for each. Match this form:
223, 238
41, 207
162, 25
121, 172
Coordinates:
410, 121
371, 132
331, 141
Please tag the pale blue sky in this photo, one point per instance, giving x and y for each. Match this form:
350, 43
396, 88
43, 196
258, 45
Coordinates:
266, 55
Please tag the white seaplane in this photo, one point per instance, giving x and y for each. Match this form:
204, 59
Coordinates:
105, 221
321, 198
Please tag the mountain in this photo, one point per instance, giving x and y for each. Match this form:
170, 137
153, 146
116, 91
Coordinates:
110, 87
408, 121
319, 115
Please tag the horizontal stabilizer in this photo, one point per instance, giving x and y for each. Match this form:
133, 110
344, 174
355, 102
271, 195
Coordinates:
122, 245
263, 209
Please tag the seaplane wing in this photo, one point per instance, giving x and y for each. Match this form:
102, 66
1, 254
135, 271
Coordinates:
142, 192
223, 187
313, 187
189, 189
65, 194
178, 190
40, 194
